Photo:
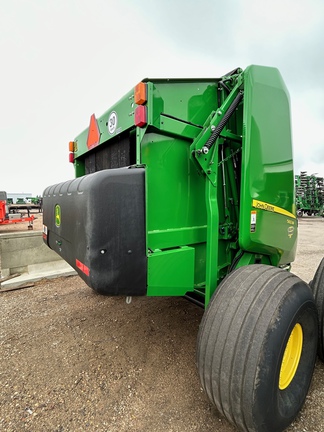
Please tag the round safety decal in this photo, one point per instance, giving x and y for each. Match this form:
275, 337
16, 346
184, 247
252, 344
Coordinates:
112, 122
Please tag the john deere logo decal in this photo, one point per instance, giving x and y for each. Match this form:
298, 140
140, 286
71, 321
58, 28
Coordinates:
57, 215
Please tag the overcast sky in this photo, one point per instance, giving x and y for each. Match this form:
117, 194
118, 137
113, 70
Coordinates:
62, 60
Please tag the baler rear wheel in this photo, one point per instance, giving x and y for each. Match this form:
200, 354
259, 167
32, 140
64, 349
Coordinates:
256, 347
317, 285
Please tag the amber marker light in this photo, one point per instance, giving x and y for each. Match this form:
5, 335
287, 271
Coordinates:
140, 93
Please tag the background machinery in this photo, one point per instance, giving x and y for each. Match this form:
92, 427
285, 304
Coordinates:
7, 217
309, 194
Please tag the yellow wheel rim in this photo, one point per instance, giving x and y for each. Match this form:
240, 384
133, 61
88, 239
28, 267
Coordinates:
291, 357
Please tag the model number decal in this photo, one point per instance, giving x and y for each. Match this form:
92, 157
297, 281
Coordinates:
290, 230
112, 122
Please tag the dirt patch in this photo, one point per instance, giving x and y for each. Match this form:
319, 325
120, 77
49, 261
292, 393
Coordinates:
72, 360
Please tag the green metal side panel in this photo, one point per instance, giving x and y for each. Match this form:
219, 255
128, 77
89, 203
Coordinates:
175, 190
171, 272
175, 200
187, 100
268, 222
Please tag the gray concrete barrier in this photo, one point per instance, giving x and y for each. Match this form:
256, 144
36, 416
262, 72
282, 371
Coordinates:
27, 254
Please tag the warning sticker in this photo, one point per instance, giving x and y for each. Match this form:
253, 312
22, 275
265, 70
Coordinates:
112, 122
253, 221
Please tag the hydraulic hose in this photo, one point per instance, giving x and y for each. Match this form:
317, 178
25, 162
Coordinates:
222, 123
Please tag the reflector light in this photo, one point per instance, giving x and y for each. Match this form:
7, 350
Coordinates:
82, 267
140, 116
71, 146
71, 157
140, 96
93, 134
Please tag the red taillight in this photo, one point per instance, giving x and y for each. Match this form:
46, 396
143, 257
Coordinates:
140, 118
71, 157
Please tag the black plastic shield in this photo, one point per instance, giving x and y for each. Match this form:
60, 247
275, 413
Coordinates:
97, 224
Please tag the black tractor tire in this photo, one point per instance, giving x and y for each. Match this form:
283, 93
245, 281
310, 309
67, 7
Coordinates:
258, 314
317, 286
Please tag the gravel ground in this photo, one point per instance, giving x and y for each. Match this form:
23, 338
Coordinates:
72, 360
